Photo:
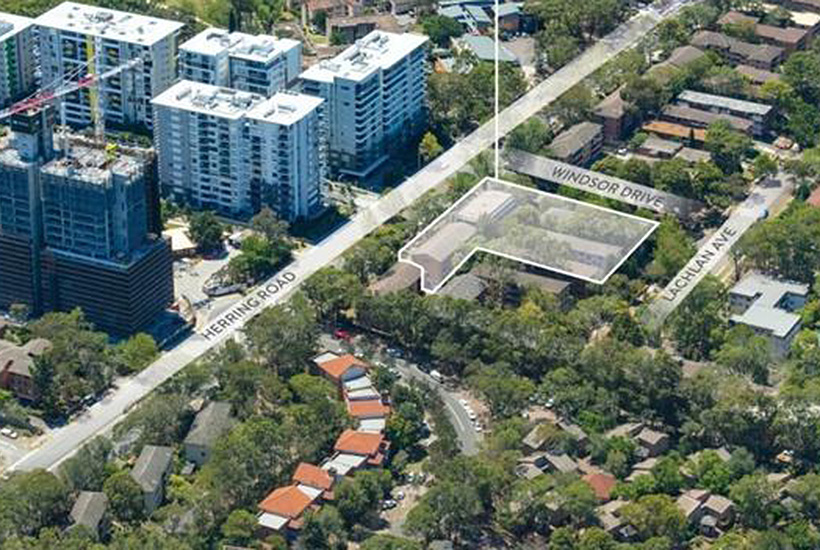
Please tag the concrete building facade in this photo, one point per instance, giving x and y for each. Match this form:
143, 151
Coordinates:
259, 64
17, 61
77, 225
234, 151
376, 94
76, 39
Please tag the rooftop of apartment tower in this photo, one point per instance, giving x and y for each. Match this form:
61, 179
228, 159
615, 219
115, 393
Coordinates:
260, 47
282, 108
110, 24
94, 164
377, 50
11, 24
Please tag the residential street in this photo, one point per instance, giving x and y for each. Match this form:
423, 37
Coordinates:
62, 442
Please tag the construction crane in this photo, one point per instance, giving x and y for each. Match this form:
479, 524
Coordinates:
47, 95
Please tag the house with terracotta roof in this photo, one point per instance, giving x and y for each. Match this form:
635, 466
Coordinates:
602, 485
372, 446
339, 369
315, 477
283, 509
372, 408
16, 363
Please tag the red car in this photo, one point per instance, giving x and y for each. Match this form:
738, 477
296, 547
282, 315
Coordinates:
342, 335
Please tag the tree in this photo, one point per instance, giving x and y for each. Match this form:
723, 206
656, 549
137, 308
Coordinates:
389, 542
441, 29
507, 393
284, 336
239, 528
673, 248
359, 497
755, 498
124, 497
645, 94
530, 136
323, 530
86, 470
274, 229
136, 353
764, 165
668, 478
673, 176
405, 426
31, 501
319, 20
699, 322
429, 148
448, 510
746, 353
727, 145
19, 312
331, 291
655, 516
802, 72
206, 231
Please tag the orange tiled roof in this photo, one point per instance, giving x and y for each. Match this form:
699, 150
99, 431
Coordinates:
312, 476
369, 408
602, 484
359, 443
676, 130
287, 502
335, 368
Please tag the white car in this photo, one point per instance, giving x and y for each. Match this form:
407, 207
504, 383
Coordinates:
8, 432
472, 415
478, 427
463, 402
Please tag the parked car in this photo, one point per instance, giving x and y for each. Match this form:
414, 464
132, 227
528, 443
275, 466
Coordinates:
8, 432
393, 352
342, 335
389, 504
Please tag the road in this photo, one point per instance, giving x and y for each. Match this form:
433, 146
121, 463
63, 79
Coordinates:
63, 442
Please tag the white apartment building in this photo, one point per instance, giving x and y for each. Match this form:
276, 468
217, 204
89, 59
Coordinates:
234, 151
376, 92
260, 64
76, 39
17, 60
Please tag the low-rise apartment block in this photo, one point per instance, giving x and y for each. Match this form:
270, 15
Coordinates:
759, 113
700, 118
260, 64
77, 39
762, 56
376, 94
235, 152
767, 305
17, 62
788, 38
578, 145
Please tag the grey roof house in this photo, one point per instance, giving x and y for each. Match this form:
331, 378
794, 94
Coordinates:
90, 510
211, 422
151, 472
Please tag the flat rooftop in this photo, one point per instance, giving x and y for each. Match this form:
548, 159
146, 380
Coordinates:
262, 47
768, 290
208, 99
548, 231
723, 102
110, 24
11, 24
378, 50
93, 165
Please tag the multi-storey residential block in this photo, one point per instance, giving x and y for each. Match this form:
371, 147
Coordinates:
76, 39
234, 151
259, 64
76, 229
17, 60
376, 93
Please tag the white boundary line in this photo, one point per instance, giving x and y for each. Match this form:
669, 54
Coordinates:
476, 189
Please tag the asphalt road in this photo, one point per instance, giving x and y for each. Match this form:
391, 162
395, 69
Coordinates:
63, 442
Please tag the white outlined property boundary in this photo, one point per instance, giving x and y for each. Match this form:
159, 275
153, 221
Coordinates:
405, 257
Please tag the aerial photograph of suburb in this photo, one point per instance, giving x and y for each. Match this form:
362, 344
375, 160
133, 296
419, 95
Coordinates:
410, 275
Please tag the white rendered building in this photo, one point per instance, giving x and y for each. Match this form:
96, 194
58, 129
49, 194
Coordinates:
260, 64
76, 39
376, 92
234, 151
17, 60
